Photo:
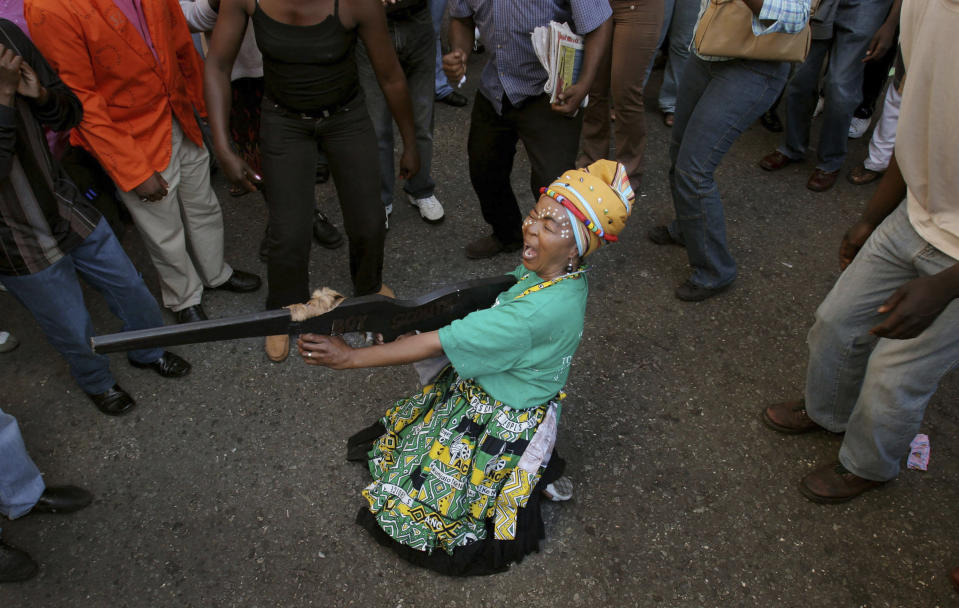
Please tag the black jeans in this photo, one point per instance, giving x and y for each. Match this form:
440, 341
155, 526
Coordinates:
288, 143
551, 141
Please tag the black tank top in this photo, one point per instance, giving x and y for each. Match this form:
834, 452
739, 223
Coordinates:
307, 68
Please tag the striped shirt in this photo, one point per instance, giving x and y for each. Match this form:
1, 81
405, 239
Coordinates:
506, 27
776, 16
42, 215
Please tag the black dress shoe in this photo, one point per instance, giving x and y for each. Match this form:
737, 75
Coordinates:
455, 99
661, 236
62, 499
114, 402
15, 565
240, 282
691, 292
325, 232
191, 314
168, 365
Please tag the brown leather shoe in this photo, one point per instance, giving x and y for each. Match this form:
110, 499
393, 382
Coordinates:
775, 161
833, 483
860, 176
278, 347
954, 575
789, 417
820, 180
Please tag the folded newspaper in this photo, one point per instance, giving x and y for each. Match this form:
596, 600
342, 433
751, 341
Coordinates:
560, 50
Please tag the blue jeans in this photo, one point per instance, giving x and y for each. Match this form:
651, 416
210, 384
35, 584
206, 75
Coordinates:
415, 43
441, 87
20, 482
55, 299
717, 101
856, 23
877, 389
680, 25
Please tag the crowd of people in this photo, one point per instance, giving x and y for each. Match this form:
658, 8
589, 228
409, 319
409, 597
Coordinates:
292, 92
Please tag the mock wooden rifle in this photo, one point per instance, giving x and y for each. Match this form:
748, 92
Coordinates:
374, 313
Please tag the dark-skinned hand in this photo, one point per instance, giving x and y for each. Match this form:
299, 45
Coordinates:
409, 162
327, 351
568, 101
912, 308
454, 65
10, 64
30, 86
853, 241
153, 189
239, 172
881, 42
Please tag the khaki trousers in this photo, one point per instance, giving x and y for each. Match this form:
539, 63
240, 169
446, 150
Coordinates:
184, 231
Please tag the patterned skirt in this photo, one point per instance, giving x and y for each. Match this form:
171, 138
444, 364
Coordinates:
457, 477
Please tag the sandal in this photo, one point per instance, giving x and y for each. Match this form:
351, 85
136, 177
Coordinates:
860, 176
560, 490
238, 191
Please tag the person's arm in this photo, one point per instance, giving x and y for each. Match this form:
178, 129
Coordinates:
224, 46
888, 196
885, 35
461, 32
333, 352
370, 21
595, 44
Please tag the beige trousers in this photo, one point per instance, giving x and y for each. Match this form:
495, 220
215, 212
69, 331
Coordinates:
184, 231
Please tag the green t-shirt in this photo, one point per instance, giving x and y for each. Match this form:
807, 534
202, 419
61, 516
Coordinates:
520, 350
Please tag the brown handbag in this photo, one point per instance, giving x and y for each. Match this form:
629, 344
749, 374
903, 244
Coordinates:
725, 30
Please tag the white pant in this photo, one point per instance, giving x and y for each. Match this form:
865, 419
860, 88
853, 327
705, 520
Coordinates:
883, 140
184, 231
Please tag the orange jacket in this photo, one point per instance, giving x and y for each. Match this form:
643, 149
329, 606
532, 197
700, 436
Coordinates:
127, 96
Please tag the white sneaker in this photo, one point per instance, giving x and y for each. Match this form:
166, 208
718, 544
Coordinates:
8, 342
430, 209
389, 212
858, 127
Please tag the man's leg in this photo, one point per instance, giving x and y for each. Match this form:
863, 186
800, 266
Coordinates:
883, 140
20, 481
165, 237
840, 344
441, 86
54, 298
202, 216
550, 139
419, 53
681, 30
491, 146
801, 95
856, 23
382, 119
102, 263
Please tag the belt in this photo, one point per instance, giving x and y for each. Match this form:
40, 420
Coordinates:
311, 114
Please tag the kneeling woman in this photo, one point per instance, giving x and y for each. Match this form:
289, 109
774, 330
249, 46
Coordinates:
459, 469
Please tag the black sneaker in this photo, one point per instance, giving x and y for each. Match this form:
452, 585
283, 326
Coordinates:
324, 232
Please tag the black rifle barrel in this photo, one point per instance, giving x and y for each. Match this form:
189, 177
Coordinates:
373, 313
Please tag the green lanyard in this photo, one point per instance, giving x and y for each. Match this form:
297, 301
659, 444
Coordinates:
545, 284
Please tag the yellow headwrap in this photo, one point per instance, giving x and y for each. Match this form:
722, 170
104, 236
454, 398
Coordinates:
598, 198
